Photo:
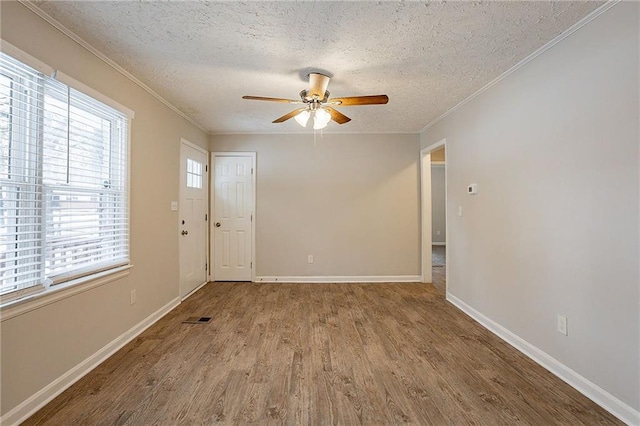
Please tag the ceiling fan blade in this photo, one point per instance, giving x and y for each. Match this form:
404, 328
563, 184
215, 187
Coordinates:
261, 98
360, 100
317, 85
337, 116
288, 116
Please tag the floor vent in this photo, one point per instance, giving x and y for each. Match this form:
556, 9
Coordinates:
197, 320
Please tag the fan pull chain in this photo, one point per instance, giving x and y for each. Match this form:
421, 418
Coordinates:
315, 133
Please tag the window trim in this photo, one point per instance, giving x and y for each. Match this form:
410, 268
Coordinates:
52, 294
25, 58
81, 87
37, 296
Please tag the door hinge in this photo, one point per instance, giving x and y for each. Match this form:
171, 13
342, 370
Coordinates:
206, 267
251, 218
206, 168
252, 170
251, 266
205, 218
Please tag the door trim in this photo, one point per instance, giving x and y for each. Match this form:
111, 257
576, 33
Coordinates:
212, 199
205, 181
425, 216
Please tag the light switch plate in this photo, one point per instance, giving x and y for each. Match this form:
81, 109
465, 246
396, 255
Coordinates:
174, 206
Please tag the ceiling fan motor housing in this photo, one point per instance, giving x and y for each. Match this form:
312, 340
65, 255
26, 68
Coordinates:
318, 84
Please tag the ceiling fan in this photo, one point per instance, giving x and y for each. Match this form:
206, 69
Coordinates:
318, 105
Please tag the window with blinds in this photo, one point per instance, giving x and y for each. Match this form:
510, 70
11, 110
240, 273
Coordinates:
63, 182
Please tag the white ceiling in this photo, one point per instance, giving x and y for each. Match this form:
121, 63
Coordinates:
204, 56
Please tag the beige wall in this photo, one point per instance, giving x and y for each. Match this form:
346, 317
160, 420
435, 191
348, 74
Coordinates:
351, 200
39, 346
555, 235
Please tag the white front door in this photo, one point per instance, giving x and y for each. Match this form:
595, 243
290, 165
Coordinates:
232, 217
192, 217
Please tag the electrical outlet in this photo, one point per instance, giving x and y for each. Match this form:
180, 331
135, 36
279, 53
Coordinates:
562, 325
310, 258
133, 297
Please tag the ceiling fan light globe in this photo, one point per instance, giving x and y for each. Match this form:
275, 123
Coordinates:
317, 124
322, 115
303, 118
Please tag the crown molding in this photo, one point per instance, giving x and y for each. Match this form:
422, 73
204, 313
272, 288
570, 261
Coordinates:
572, 29
82, 42
310, 133
34, 8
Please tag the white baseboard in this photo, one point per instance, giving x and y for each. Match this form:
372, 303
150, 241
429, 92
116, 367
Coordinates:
341, 279
194, 290
618, 408
433, 243
28, 407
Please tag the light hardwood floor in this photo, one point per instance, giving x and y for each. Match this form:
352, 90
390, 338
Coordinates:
438, 275
319, 354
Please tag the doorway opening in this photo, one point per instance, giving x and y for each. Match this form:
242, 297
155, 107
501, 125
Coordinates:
434, 214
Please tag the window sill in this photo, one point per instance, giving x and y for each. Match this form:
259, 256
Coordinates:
61, 291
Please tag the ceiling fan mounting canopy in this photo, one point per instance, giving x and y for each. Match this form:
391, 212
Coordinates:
318, 103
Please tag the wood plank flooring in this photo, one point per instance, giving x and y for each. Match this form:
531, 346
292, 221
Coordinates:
439, 278
319, 354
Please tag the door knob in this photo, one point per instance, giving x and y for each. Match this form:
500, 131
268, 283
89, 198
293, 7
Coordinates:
184, 232
217, 224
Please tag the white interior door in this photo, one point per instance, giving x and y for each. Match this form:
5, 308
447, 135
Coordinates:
232, 217
193, 217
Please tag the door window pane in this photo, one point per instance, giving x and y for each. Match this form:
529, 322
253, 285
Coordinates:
194, 174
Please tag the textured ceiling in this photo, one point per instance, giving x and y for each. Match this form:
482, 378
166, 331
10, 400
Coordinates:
203, 56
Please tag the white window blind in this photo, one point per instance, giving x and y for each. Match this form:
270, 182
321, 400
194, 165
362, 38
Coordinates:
63, 211
21, 232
